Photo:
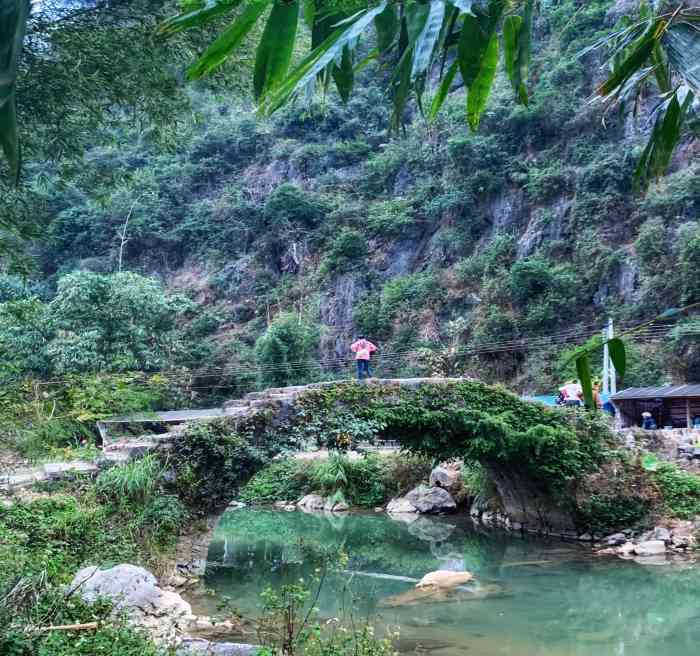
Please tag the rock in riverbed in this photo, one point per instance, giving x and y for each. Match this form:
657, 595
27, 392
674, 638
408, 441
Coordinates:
650, 548
422, 499
444, 579
200, 647
431, 499
401, 506
135, 591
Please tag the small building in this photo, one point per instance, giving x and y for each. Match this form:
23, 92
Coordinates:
671, 406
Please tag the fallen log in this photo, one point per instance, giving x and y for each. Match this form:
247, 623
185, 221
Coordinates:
87, 626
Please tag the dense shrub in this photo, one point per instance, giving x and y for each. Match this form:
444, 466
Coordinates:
602, 513
680, 490
366, 482
473, 421
284, 353
212, 460
290, 207
346, 250
281, 480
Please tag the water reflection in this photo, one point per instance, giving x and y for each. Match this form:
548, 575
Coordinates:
530, 597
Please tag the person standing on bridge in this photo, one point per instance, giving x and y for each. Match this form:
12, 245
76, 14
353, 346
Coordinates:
363, 349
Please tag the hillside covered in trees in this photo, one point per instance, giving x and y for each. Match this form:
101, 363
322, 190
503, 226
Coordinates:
174, 227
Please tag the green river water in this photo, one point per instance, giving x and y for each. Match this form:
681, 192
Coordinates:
530, 597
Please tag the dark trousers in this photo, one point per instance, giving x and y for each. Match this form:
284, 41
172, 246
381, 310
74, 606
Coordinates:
363, 370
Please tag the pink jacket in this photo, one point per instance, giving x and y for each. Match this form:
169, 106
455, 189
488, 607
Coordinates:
362, 349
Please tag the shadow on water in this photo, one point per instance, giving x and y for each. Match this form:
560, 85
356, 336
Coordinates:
530, 596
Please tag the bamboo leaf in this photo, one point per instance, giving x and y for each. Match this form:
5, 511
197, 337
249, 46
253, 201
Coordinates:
13, 22
386, 25
317, 60
634, 61
464, 6
196, 18
228, 40
475, 39
416, 16
428, 37
480, 89
616, 349
276, 45
442, 91
511, 34
344, 75
583, 369
682, 46
657, 155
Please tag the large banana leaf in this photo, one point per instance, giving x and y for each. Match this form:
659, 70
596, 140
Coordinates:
386, 25
275, 49
682, 44
13, 22
331, 49
475, 39
443, 90
428, 38
517, 40
477, 54
480, 89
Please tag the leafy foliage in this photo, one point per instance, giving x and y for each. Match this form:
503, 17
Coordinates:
95, 322
473, 421
13, 22
680, 490
211, 460
284, 353
367, 482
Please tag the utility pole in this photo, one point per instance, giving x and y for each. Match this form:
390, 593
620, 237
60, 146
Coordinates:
606, 361
609, 374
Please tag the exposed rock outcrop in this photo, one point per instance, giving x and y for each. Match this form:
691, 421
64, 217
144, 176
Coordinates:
315, 502
527, 506
162, 614
401, 506
422, 499
431, 499
448, 476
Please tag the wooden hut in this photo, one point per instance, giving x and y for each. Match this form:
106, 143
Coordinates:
671, 406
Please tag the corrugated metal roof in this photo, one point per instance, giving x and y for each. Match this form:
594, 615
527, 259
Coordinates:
662, 392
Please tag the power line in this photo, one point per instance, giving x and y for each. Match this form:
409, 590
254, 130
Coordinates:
388, 360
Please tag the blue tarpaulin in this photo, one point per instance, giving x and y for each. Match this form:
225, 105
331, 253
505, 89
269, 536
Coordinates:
552, 399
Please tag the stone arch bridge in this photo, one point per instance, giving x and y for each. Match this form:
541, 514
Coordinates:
517, 441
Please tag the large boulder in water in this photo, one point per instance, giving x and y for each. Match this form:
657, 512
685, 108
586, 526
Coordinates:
444, 579
134, 591
311, 502
431, 499
401, 506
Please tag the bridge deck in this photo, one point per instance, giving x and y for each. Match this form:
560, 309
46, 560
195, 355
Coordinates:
167, 416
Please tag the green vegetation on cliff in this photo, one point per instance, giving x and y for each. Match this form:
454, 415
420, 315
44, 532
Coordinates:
437, 237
